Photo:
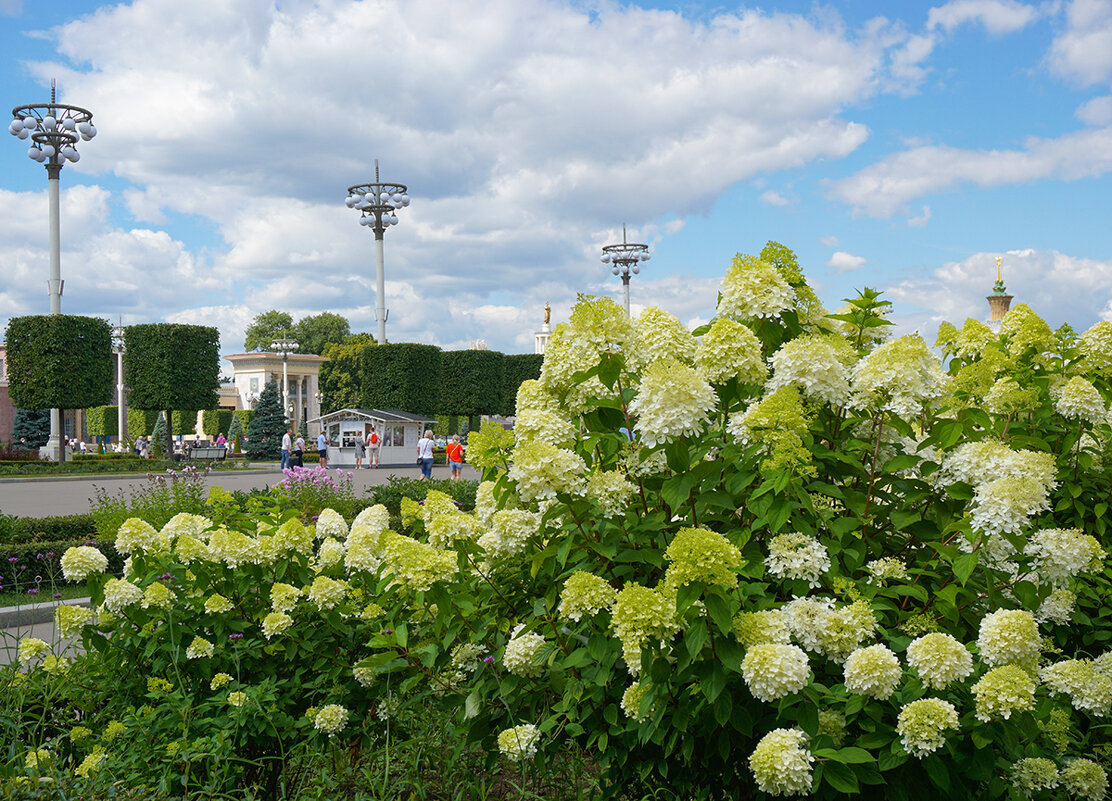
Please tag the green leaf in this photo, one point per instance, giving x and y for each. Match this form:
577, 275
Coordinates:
840, 777
963, 567
719, 612
938, 772
472, 704
695, 638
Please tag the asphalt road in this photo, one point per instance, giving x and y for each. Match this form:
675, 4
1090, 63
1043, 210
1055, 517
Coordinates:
42, 497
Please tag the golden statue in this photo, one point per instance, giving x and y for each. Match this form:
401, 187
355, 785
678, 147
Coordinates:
547, 313
999, 259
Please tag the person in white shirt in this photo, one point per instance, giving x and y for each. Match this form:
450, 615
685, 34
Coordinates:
287, 446
322, 449
424, 454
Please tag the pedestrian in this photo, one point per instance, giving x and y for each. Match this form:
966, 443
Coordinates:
144, 447
360, 452
322, 448
287, 446
454, 453
221, 441
372, 444
425, 447
296, 458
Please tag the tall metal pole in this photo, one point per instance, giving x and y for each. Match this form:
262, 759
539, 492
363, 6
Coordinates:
380, 307
378, 203
623, 259
53, 128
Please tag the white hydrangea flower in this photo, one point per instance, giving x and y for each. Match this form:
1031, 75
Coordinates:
922, 725
1009, 637
519, 742
611, 490
939, 659
813, 364
660, 335
1089, 689
781, 763
1061, 554
540, 470
1078, 399
672, 401
1096, 345
797, 556
585, 594
1056, 607
1033, 775
82, 561
510, 530
754, 289
873, 671
730, 350
900, 376
1003, 506
1084, 779
331, 719
773, 670
330, 523
521, 651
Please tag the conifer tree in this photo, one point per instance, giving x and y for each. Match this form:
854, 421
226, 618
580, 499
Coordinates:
235, 433
32, 426
268, 424
158, 436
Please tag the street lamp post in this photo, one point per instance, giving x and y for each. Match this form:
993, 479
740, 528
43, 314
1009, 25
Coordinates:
118, 349
378, 203
54, 129
285, 346
623, 259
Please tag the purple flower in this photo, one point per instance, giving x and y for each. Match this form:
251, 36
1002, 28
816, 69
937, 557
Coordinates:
38, 556
50, 554
386, 631
13, 558
488, 659
33, 591
235, 636
57, 595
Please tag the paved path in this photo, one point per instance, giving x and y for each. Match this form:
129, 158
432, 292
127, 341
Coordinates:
41, 497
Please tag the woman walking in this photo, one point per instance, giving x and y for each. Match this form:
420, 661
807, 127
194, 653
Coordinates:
454, 452
424, 454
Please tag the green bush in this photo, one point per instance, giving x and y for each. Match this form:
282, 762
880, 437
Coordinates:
516, 368
391, 493
471, 382
215, 422
140, 423
102, 421
404, 376
27, 565
59, 361
35, 529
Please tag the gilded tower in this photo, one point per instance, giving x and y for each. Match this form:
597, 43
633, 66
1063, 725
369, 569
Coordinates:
999, 300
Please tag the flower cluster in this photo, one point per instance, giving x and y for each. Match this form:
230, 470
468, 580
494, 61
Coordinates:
673, 401
519, 742
873, 671
631, 701
1084, 779
922, 725
939, 659
415, 564
80, 562
540, 470
1009, 637
1002, 691
31, 648
510, 530
767, 626
781, 763
1034, 774
71, 619
327, 593
660, 335
331, 719
886, 569
797, 556
585, 594
777, 423
730, 350
753, 289
610, 490
1096, 346
704, 556
120, 594
137, 535
199, 648
1061, 554
1088, 689
773, 670
835, 633
639, 616
1078, 399
275, 623
521, 652
900, 376
817, 365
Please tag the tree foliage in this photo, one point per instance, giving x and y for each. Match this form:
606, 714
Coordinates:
471, 382
402, 376
516, 368
265, 328
32, 426
140, 423
315, 332
59, 361
102, 421
169, 366
341, 377
268, 424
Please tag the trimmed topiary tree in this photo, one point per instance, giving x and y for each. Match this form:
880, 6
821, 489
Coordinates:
404, 376
31, 427
517, 368
170, 366
140, 423
59, 361
268, 424
471, 382
216, 421
102, 421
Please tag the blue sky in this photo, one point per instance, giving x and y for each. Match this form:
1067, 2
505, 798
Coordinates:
901, 146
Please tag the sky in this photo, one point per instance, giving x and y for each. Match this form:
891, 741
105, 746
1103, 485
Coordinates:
900, 146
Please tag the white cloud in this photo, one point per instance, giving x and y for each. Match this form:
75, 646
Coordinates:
922, 220
998, 16
1059, 287
882, 189
1096, 112
523, 128
773, 198
1083, 51
829, 241
845, 262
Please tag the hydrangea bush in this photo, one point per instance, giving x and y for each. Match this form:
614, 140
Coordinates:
785, 554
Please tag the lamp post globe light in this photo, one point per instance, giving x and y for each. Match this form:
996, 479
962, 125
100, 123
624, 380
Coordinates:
623, 259
118, 334
53, 129
378, 203
285, 346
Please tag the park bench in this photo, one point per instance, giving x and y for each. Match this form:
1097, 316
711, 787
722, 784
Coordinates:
217, 454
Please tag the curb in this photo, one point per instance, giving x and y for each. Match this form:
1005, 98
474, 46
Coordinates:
12, 617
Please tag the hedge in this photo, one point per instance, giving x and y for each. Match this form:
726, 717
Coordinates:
140, 422
404, 376
59, 527
102, 421
185, 423
216, 421
516, 369
471, 382
59, 361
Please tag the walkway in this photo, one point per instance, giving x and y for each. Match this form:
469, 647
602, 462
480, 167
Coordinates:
67, 495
